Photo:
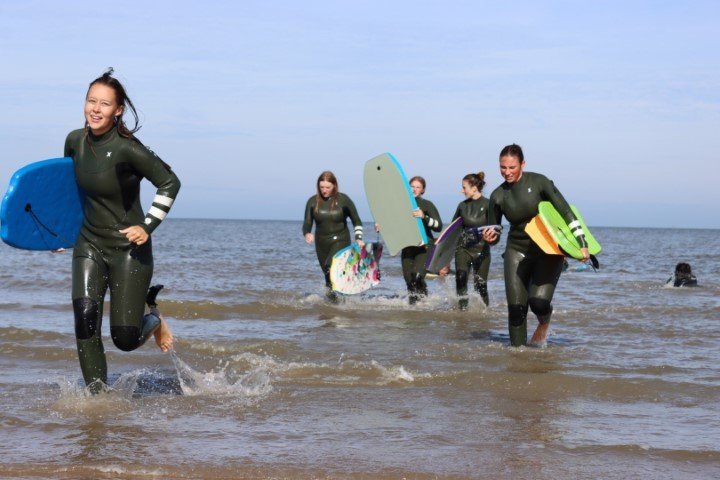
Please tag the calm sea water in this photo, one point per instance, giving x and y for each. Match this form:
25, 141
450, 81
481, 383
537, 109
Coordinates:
269, 381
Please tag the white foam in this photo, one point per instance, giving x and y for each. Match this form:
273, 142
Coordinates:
254, 383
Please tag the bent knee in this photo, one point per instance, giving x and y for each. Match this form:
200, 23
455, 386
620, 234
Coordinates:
125, 338
540, 306
87, 317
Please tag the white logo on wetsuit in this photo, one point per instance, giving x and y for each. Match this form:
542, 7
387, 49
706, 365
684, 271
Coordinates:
529, 190
109, 154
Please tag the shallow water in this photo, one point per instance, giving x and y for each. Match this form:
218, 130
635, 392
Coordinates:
269, 381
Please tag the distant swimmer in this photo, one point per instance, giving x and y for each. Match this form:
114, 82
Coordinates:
530, 274
329, 210
114, 248
683, 276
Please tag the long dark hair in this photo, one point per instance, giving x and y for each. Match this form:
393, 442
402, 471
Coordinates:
123, 100
476, 180
327, 176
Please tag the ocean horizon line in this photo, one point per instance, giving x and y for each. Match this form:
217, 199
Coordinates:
299, 221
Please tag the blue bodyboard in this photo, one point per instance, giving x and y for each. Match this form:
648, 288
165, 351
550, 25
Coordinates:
42, 208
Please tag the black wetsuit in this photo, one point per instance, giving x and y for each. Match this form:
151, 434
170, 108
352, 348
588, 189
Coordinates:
530, 275
683, 280
109, 169
413, 258
472, 251
331, 230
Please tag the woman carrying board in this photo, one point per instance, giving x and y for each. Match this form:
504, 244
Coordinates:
472, 251
530, 274
329, 210
114, 248
413, 258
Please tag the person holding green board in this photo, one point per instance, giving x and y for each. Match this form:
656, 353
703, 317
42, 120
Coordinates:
530, 274
329, 210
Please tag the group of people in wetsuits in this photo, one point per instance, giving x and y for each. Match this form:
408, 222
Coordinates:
530, 274
114, 247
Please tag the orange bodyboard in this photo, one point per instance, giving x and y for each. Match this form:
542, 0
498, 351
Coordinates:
539, 234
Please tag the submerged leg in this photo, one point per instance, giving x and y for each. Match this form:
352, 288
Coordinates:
89, 283
481, 265
543, 310
420, 284
330, 294
517, 325
481, 288
461, 282
541, 293
541, 332
163, 334
91, 352
412, 292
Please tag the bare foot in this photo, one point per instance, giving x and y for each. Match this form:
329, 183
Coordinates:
163, 335
539, 338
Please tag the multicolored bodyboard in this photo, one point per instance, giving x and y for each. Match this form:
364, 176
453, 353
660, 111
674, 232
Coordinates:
356, 269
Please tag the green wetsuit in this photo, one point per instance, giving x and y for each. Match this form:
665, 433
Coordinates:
470, 253
413, 258
109, 168
331, 230
530, 274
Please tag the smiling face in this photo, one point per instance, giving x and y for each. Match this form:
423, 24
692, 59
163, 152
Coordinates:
101, 108
417, 188
326, 188
511, 168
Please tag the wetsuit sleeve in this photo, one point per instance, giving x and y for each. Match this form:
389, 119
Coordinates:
308, 220
495, 213
149, 165
432, 218
71, 142
351, 212
68, 150
457, 213
553, 195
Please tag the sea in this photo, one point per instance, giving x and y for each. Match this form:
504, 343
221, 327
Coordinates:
270, 381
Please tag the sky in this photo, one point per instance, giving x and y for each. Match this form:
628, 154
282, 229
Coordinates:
618, 102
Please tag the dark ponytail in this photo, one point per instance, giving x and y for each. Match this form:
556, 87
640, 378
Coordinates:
476, 180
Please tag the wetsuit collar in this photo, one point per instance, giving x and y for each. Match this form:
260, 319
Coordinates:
99, 139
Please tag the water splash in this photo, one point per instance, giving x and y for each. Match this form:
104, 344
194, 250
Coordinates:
253, 384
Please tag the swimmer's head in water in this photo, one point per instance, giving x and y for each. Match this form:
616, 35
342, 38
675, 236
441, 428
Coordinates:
683, 268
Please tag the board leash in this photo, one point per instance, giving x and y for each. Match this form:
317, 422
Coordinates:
39, 223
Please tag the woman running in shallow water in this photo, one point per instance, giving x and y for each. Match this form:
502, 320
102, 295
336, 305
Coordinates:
114, 248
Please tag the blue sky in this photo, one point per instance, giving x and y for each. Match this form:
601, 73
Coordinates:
617, 101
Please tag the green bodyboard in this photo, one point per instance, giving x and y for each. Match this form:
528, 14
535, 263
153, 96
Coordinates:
561, 233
